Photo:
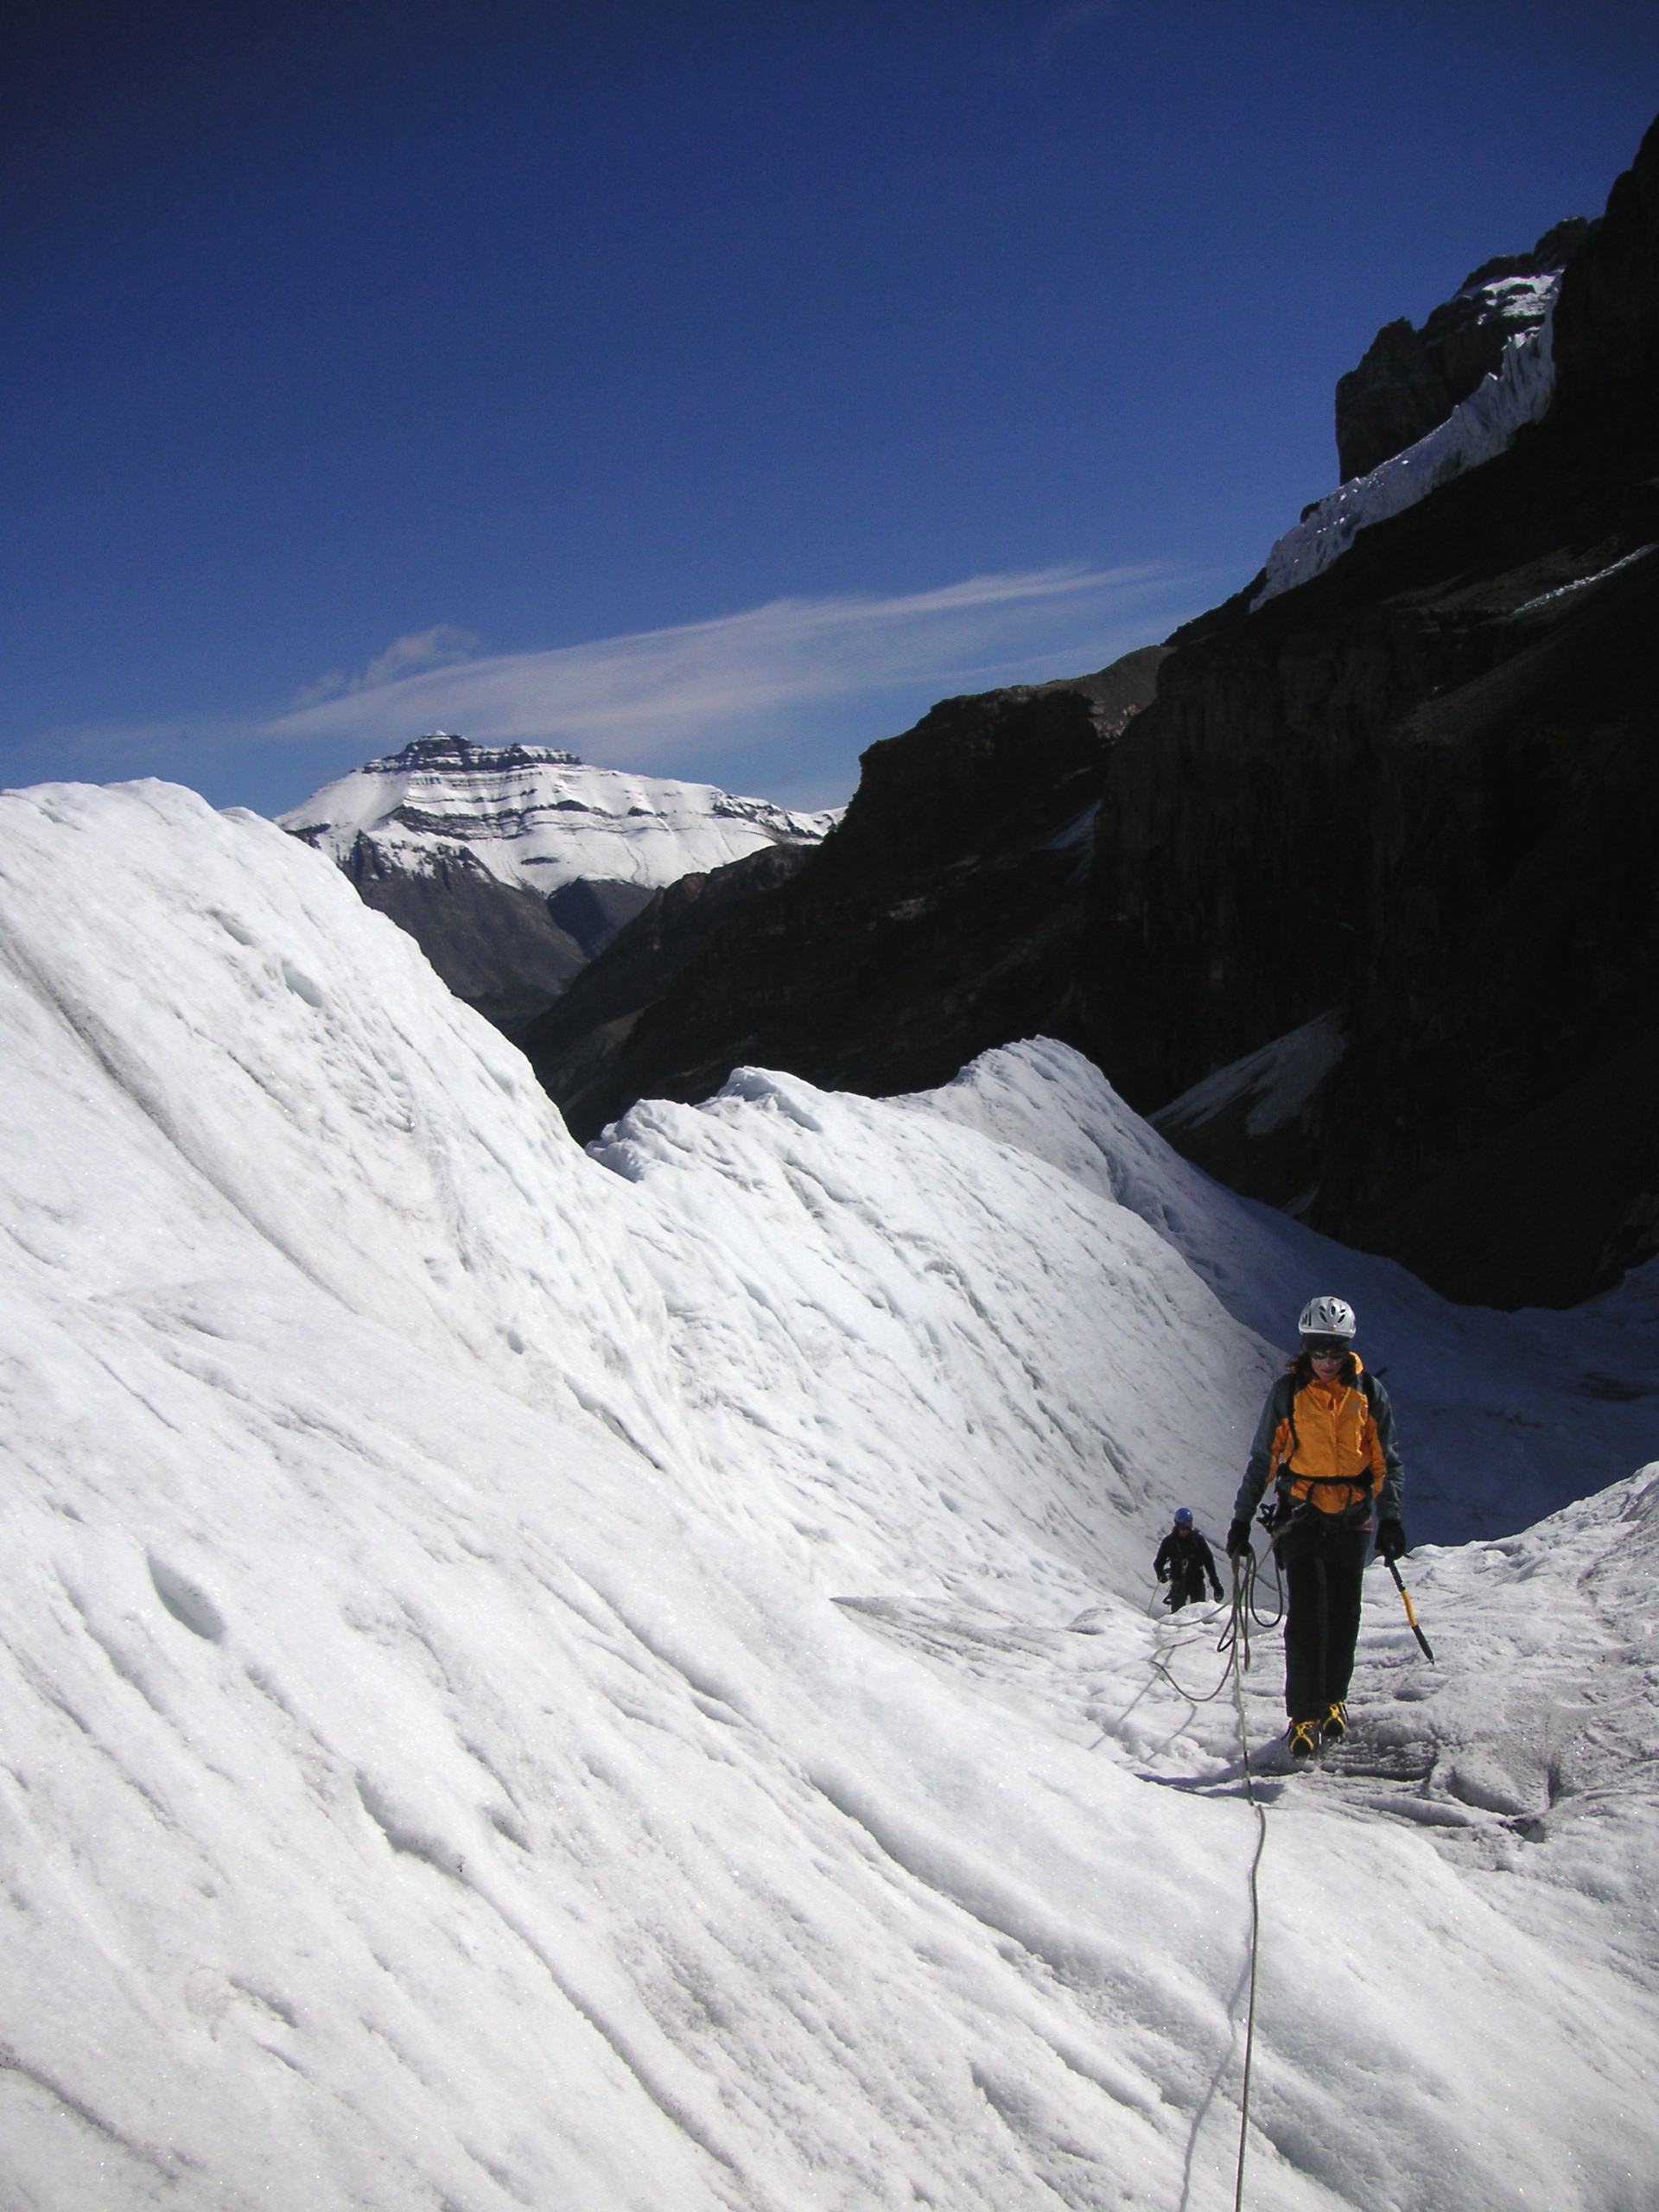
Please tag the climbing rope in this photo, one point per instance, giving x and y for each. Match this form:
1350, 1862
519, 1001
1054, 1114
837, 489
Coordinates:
1235, 1643
1244, 1590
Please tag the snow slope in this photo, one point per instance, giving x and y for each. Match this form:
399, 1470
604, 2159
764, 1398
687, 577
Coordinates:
540, 819
1484, 425
437, 1771
1277, 1081
1505, 1417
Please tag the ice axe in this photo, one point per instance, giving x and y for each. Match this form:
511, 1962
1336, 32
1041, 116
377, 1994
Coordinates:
1411, 1614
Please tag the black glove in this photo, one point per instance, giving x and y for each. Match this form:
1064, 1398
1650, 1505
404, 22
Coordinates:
1215, 1591
1238, 1537
1390, 1540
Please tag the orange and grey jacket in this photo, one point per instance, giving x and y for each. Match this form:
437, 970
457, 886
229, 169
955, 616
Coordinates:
1330, 1449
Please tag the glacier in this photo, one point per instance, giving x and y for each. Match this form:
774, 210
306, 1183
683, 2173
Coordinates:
624, 1679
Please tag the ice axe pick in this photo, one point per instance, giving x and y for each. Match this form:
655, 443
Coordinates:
1411, 1614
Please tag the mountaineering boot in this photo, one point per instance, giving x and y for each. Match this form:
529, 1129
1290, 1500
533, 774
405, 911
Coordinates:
1336, 1722
1304, 1738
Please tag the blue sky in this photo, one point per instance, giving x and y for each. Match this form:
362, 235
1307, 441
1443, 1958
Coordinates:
708, 387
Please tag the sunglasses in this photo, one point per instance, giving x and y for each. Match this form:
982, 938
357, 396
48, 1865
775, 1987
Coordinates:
1326, 1347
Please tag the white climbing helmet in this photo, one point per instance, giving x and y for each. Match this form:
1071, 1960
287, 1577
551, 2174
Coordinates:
1327, 1317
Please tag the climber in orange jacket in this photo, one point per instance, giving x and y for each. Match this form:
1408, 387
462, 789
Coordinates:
1326, 1439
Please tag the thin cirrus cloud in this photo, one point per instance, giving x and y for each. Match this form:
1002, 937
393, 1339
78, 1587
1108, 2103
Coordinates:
638, 697
437, 647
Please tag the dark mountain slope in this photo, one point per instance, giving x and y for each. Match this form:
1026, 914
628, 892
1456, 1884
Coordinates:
496, 945
1418, 794
1430, 799
938, 919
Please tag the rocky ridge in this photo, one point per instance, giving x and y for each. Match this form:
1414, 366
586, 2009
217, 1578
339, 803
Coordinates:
940, 917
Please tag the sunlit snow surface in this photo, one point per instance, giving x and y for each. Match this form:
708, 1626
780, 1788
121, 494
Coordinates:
532, 1680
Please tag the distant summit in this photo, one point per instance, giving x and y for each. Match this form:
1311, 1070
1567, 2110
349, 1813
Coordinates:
512, 866
444, 749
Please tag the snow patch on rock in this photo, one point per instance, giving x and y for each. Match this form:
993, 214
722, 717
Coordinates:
1278, 1081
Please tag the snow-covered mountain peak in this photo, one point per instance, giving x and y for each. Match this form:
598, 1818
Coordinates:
539, 818
441, 748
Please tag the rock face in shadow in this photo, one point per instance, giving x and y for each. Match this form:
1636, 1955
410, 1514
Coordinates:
1412, 804
575, 1045
1423, 791
1409, 380
494, 944
940, 918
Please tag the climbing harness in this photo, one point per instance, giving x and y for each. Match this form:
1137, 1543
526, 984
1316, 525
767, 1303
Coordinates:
1411, 1614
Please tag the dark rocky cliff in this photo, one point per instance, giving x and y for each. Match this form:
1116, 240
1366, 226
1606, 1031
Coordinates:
1414, 800
1431, 802
939, 918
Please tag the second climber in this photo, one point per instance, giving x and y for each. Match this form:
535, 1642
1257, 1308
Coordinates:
1184, 1559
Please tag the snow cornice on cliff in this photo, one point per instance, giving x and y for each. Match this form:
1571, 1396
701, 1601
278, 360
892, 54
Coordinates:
1483, 426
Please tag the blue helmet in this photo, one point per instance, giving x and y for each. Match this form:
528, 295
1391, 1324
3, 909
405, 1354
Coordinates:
1183, 1516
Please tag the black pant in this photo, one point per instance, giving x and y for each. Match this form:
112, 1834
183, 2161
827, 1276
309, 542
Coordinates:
1185, 1587
1324, 1567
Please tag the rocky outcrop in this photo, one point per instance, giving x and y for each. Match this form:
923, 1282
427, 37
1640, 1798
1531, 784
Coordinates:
941, 917
1607, 318
1409, 380
1430, 801
494, 944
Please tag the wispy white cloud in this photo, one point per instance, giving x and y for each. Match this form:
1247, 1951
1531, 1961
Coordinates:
437, 647
644, 695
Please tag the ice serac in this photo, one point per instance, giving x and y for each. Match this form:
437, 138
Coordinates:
1410, 380
531, 1679
512, 866
1424, 405
1516, 393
